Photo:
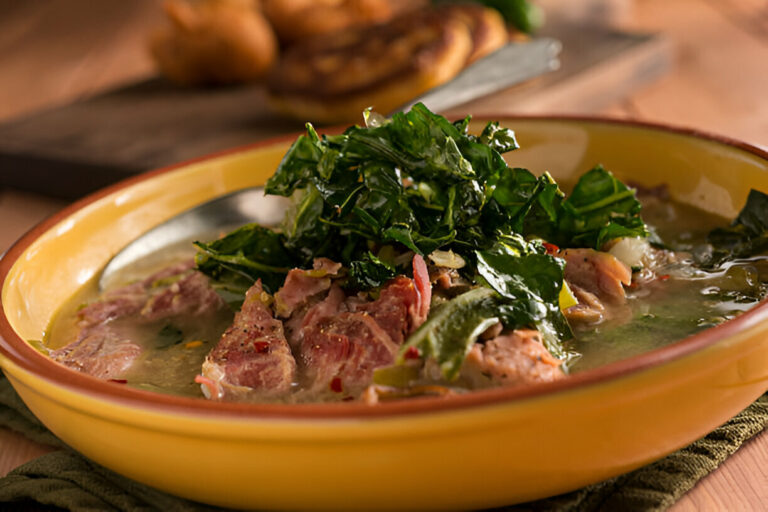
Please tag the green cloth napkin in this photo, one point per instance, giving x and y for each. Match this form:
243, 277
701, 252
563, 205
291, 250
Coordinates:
66, 480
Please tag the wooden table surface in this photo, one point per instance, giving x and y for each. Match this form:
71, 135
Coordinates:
56, 51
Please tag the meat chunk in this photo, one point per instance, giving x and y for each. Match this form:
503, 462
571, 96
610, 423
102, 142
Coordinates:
344, 339
101, 352
588, 311
252, 358
397, 310
339, 353
189, 295
599, 273
105, 349
403, 303
511, 360
300, 285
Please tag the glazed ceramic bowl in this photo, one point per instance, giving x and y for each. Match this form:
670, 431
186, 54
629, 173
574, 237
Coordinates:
487, 448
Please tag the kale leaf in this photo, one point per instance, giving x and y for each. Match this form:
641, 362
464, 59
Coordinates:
600, 208
523, 288
451, 329
237, 260
746, 236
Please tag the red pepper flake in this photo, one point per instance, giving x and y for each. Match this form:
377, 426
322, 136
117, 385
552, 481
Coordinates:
336, 385
119, 381
551, 248
262, 347
663, 277
412, 353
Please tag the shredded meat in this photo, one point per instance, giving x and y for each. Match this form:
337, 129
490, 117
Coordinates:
102, 350
252, 358
588, 311
511, 360
599, 273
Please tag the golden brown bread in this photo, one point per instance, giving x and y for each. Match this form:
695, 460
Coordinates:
295, 20
489, 32
214, 42
333, 78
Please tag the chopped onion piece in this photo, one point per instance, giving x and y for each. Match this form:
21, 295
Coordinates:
447, 259
630, 251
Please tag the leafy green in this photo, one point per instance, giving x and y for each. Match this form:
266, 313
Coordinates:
452, 328
530, 280
237, 260
748, 233
599, 209
523, 14
418, 182
370, 272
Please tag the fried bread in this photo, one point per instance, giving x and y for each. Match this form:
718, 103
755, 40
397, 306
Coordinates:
333, 78
214, 42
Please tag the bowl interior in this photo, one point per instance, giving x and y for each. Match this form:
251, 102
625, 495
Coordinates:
488, 448
58, 257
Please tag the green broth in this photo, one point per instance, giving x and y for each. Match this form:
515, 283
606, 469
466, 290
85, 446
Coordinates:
688, 301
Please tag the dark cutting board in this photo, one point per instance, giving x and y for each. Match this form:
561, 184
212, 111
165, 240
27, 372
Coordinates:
72, 150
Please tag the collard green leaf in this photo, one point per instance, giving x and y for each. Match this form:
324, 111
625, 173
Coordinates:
748, 233
600, 208
530, 281
298, 165
450, 331
237, 260
370, 272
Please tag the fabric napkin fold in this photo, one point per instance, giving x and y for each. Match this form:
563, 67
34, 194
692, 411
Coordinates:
66, 480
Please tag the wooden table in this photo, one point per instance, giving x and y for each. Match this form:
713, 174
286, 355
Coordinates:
60, 50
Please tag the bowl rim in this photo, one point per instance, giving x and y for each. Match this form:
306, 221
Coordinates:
23, 355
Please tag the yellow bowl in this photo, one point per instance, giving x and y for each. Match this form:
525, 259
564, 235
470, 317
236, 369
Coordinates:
487, 448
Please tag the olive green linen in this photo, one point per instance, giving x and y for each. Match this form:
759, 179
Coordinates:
65, 480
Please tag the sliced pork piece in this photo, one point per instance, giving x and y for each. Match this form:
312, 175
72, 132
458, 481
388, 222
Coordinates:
102, 353
588, 311
511, 360
104, 349
403, 303
340, 352
397, 310
300, 285
191, 294
599, 273
252, 359
424, 288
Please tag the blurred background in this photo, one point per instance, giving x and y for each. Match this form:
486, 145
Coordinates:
92, 92
56, 51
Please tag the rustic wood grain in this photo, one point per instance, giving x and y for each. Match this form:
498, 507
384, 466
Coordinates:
719, 80
17, 449
78, 148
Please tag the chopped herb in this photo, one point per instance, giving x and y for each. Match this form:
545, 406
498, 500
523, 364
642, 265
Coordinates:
746, 236
168, 336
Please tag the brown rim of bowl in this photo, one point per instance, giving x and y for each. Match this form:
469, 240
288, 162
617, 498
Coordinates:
23, 355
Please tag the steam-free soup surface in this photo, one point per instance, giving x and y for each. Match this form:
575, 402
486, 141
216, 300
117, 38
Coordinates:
682, 302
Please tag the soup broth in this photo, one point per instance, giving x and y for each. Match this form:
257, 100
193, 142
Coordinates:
682, 302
